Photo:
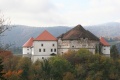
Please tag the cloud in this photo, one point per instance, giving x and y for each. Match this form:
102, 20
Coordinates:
97, 11
30, 12
60, 12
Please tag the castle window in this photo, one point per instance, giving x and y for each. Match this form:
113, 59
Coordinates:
43, 50
39, 50
53, 44
72, 46
42, 57
54, 50
41, 44
51, 50
27, 49
27, 53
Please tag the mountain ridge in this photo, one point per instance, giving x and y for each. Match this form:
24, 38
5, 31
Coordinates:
19, 34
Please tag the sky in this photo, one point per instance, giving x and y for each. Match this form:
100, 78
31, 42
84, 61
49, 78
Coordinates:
47, 13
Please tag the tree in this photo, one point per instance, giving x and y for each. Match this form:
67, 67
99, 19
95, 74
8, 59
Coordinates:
114, 52
69, 76
1, 70
36, 71
24, 64
70, 56
4, 25
3, 22
46, 68
59, 66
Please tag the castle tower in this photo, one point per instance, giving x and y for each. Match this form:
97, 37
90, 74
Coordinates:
28, 47
105, 47
77, 38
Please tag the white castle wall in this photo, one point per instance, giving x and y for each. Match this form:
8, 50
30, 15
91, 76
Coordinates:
27, 50
44, 48
60, 47
39, 57
106, 50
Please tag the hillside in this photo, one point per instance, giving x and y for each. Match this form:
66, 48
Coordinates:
107, 29
19, 34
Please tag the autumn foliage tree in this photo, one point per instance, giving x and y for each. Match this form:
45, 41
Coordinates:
74, 65
3, 28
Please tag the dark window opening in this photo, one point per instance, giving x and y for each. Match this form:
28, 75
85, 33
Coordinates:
43, 50
42, 57
53, 54
51, 50
39, 50
54, 50
72, 46
53, 45
41, 44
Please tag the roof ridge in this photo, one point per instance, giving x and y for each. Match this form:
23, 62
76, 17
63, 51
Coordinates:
104, 42
78, 32
46, 36
29, 43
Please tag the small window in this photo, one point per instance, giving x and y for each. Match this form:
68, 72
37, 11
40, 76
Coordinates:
51, 50
27, 49
41, 44
104, 49
39, 50
43, 50
54, 50
73, 46
27, 53
53, 44
42, 57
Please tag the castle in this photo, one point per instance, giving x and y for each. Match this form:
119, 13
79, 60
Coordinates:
46, 45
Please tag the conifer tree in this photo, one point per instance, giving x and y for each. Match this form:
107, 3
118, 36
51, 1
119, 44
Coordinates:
114, 52
1, 70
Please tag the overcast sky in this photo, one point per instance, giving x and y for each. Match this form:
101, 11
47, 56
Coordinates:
60, 12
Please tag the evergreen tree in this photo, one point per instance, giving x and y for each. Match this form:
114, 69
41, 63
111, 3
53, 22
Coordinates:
114, 52
1, 70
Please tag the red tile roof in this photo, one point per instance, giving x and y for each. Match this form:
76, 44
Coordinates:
104, 42
46, 36
29, 43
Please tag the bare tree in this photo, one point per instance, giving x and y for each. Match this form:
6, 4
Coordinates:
4, 25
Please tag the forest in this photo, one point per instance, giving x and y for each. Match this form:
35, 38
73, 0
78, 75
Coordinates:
73, 65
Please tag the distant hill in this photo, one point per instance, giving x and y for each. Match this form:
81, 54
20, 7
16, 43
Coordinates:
111, 29
19, 34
